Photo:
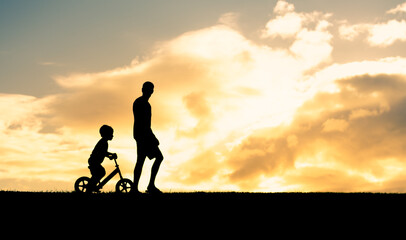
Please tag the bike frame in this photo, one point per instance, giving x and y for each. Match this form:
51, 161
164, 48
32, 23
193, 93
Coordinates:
110, 176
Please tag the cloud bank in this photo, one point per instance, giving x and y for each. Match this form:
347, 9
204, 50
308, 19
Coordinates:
230, 113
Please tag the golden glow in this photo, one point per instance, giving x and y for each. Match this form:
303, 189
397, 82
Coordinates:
231, 113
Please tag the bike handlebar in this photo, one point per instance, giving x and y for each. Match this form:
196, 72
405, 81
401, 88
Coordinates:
115, 161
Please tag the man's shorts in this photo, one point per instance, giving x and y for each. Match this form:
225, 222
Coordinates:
150, 150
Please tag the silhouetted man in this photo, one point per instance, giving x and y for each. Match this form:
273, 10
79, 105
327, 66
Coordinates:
147, 143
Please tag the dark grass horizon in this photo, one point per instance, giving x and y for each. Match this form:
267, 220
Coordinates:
216, 206
205, 194
200, 192
210, 200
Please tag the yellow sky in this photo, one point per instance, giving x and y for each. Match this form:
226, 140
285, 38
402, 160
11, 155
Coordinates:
231, 113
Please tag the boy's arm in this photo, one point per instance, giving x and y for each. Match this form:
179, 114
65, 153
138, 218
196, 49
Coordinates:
111, 155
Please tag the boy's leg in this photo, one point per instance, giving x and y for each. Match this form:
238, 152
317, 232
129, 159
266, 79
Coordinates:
90, 185
92, 182
101, 172
98, 173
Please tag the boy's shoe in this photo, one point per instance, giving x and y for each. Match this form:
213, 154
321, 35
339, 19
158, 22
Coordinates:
153, 190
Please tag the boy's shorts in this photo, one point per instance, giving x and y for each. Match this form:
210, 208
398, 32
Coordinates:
97, 171
149, 150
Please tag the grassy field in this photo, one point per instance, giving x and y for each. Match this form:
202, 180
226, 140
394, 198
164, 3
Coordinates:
202, 210
205, 196
209, 200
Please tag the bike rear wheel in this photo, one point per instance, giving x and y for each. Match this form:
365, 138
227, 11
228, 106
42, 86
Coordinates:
81, 184
124, 186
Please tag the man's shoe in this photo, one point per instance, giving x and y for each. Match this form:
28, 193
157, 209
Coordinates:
153, 190
135, 192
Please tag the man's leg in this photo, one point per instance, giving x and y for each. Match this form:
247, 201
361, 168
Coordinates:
138, 169
155, 167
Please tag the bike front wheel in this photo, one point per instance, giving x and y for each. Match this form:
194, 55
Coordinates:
81, 184
124, 186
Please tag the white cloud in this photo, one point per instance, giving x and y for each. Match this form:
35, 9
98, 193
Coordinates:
350, 32
398, 9
285, 26
288, 23
282, 7
312, 39
386, 34
381, 34
312, 47
323, 80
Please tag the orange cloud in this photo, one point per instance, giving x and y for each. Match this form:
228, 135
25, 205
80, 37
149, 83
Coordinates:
333, 151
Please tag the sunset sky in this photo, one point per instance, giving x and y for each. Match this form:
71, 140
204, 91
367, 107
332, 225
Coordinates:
263, 95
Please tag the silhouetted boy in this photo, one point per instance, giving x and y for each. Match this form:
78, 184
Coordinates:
98, 155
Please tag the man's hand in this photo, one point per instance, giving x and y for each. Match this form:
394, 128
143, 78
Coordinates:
153, 140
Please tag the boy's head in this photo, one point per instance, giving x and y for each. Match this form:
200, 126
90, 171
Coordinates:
106, 132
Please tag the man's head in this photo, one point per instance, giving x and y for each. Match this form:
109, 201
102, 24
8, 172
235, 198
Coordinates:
106, 132
147, 89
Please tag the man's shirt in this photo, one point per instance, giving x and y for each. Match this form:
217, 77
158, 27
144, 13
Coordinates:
142, 119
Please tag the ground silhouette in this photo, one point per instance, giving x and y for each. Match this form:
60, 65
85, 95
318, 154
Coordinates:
213, 201
208, 213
